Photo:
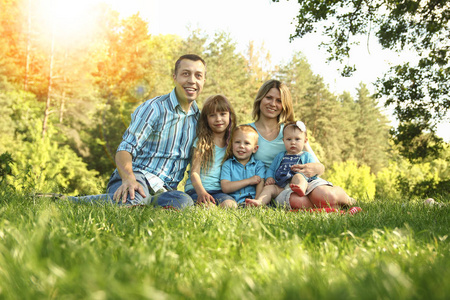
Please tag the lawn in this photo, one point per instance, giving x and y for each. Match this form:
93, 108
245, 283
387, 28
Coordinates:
60, 250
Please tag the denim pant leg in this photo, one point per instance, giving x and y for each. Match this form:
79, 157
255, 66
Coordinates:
94, 199
176, 199
115, 182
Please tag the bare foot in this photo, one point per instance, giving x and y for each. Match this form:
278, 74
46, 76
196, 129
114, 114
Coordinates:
297, 189
253, 202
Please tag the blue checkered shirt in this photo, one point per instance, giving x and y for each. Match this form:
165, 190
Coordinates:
159, 139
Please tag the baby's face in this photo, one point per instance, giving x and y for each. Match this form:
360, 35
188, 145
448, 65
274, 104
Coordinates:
244, 145
294, 140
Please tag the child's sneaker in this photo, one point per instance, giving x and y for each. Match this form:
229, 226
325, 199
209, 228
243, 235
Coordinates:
354, 210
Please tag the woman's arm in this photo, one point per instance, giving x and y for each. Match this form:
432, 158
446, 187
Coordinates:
312, 168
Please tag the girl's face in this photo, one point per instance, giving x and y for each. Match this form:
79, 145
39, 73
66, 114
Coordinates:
271, 105
294, 140
219, 121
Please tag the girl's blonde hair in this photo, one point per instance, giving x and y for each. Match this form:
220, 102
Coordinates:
287, 113
205, 142
243, 128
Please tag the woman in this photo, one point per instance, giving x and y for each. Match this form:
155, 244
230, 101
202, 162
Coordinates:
271, 110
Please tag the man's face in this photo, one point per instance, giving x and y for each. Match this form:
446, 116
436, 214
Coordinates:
189, 80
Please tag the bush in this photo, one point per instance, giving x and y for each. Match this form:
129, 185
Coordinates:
356, 180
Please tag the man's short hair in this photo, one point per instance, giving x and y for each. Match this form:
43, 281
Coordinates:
193, 57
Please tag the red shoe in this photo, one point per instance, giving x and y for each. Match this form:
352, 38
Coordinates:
354, 210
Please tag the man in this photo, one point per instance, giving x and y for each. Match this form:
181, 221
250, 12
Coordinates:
155, 150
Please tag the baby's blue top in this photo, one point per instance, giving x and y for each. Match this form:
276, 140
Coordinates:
210, 179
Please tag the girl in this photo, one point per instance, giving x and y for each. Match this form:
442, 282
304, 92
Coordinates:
217, 120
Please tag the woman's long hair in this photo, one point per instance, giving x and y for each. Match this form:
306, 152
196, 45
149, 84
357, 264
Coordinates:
205, 142
287, 114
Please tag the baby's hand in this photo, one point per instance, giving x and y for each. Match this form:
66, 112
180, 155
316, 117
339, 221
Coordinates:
269, 181
254, 180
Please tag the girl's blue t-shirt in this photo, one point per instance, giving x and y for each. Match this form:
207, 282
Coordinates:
210, 179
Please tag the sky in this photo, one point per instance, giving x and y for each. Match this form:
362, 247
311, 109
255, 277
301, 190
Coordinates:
266, 23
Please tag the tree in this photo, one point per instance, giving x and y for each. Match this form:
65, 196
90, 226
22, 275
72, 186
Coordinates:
371, 132
227, 75
419, 91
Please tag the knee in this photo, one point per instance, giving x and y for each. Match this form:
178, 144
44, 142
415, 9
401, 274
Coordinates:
175, 199
228, 204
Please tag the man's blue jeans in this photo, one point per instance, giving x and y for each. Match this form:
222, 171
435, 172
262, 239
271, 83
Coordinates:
175, 199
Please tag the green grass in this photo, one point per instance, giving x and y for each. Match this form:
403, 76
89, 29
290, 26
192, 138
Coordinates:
60, 250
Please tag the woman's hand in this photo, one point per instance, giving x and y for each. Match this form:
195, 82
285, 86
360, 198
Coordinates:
309, 169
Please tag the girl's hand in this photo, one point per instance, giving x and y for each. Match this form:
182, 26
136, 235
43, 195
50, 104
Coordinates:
269, 181
309, 169
205, 198
254, 180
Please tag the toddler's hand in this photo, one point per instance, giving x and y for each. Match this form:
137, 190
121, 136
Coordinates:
254, 180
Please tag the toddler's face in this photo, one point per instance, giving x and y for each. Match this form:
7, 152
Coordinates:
294, 140
244, 145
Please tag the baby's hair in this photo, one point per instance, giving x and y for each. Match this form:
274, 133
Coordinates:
243, 128
205, 142
294, 124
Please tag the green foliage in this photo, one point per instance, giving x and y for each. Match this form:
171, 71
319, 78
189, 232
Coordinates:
67, 251
417, 90
403, 179
5, 166
356, 180
42, 165
386, 183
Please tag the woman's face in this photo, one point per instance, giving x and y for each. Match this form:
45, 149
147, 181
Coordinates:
270, 105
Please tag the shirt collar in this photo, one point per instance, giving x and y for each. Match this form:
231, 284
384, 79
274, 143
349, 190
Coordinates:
193, 110
252, 160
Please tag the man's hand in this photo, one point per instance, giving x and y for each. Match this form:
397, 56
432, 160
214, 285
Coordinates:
128, 187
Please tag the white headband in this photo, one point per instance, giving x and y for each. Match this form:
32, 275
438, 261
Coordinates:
301, 126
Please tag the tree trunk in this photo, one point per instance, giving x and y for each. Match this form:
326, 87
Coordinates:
27, 63
49, 90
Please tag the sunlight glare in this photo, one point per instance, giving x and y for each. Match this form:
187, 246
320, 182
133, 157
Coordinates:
68, 18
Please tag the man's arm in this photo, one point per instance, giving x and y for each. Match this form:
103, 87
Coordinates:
129, 183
